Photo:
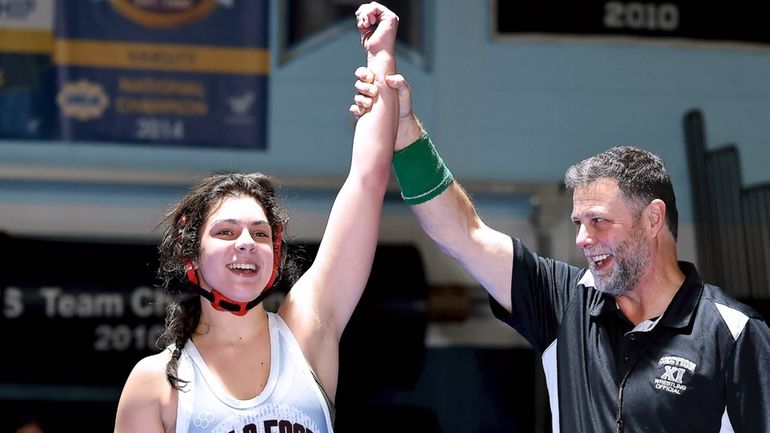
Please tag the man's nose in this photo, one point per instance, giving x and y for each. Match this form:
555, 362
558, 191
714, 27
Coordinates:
583, 238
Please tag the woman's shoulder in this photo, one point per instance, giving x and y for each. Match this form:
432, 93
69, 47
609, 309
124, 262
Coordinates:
150, 371
148, 400
153, 363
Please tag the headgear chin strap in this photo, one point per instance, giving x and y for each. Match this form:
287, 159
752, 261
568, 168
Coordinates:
221, 302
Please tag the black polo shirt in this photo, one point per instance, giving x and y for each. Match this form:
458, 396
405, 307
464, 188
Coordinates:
703, 366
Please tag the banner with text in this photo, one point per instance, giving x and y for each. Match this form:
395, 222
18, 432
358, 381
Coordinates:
737, 21
26, 72
82, 319
174, 72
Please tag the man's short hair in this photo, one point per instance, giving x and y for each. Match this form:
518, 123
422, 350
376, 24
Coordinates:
641, 177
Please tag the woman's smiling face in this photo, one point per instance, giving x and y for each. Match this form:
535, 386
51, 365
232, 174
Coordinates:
236, 249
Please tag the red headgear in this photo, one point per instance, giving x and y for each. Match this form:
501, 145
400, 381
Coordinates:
223, 303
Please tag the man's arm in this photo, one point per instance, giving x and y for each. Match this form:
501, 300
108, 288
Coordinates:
449, 218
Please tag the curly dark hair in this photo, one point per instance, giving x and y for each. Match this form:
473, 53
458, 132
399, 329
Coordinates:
641, 177
181, 241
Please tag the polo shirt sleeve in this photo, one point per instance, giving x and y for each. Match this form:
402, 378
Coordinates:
748, 379
541, 289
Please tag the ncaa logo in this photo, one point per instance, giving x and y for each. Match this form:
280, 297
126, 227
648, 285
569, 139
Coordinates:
82, 100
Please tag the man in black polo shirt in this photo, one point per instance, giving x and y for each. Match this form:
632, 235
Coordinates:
636, 342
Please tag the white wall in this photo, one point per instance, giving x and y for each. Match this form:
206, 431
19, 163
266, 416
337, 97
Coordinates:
501, 109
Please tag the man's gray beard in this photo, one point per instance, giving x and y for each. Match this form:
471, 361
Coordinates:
631, 258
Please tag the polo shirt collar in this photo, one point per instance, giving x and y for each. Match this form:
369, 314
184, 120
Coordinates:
606, 303
682, 307
679, 311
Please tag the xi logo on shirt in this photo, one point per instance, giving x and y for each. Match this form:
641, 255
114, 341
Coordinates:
671, 374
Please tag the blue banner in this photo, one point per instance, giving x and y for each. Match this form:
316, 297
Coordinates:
26, 72
169, 72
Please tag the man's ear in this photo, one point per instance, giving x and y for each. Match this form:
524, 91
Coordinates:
656, 216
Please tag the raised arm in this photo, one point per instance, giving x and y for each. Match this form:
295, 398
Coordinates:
321, 303
442, 206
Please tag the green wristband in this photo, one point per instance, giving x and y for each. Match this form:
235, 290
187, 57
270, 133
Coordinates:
421, 171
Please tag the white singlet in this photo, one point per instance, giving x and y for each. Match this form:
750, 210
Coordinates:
292, 401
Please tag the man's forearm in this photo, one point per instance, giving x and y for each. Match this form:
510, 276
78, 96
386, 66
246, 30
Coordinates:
409, 131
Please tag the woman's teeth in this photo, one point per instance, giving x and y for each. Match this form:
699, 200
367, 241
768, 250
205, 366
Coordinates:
243, 266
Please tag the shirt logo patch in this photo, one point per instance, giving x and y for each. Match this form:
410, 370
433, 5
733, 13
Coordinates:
672, 377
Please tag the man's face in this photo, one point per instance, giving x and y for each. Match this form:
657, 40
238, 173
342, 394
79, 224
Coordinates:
610, 236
